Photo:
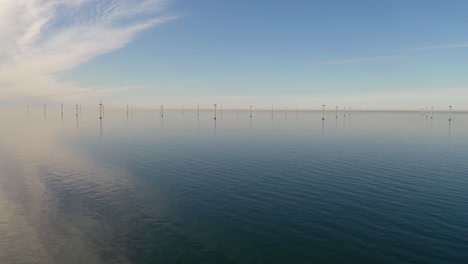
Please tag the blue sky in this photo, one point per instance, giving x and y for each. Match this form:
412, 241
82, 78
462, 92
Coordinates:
364, 53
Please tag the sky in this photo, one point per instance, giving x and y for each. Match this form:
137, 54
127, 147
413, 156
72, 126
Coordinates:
364, 54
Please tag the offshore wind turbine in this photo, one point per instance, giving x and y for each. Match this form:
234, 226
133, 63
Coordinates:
450, 113
250, 111
336, 111
100, 110
198, 109
76, 110
432, 112
323, 112
214, 111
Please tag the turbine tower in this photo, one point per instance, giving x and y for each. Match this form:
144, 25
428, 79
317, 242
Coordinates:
450, 113
323, 112
215, 111
100, 110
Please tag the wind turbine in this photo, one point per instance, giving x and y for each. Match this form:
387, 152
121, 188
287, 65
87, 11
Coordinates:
323, 112
450, 113
215, 111
100, 110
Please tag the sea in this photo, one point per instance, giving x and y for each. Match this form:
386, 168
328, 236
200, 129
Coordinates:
260, 187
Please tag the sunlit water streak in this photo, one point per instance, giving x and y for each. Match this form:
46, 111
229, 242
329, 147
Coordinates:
366, 188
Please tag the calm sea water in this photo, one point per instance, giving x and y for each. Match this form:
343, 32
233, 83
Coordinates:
366, 188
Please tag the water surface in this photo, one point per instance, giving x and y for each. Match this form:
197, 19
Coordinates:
372, 187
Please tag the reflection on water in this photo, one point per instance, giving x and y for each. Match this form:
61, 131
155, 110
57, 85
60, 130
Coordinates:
369, 188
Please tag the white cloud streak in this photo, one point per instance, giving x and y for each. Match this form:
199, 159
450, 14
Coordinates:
356, 60
448, 46
42, 38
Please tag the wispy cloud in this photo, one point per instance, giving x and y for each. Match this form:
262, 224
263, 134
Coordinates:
42, 38
356, 60
447, 46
